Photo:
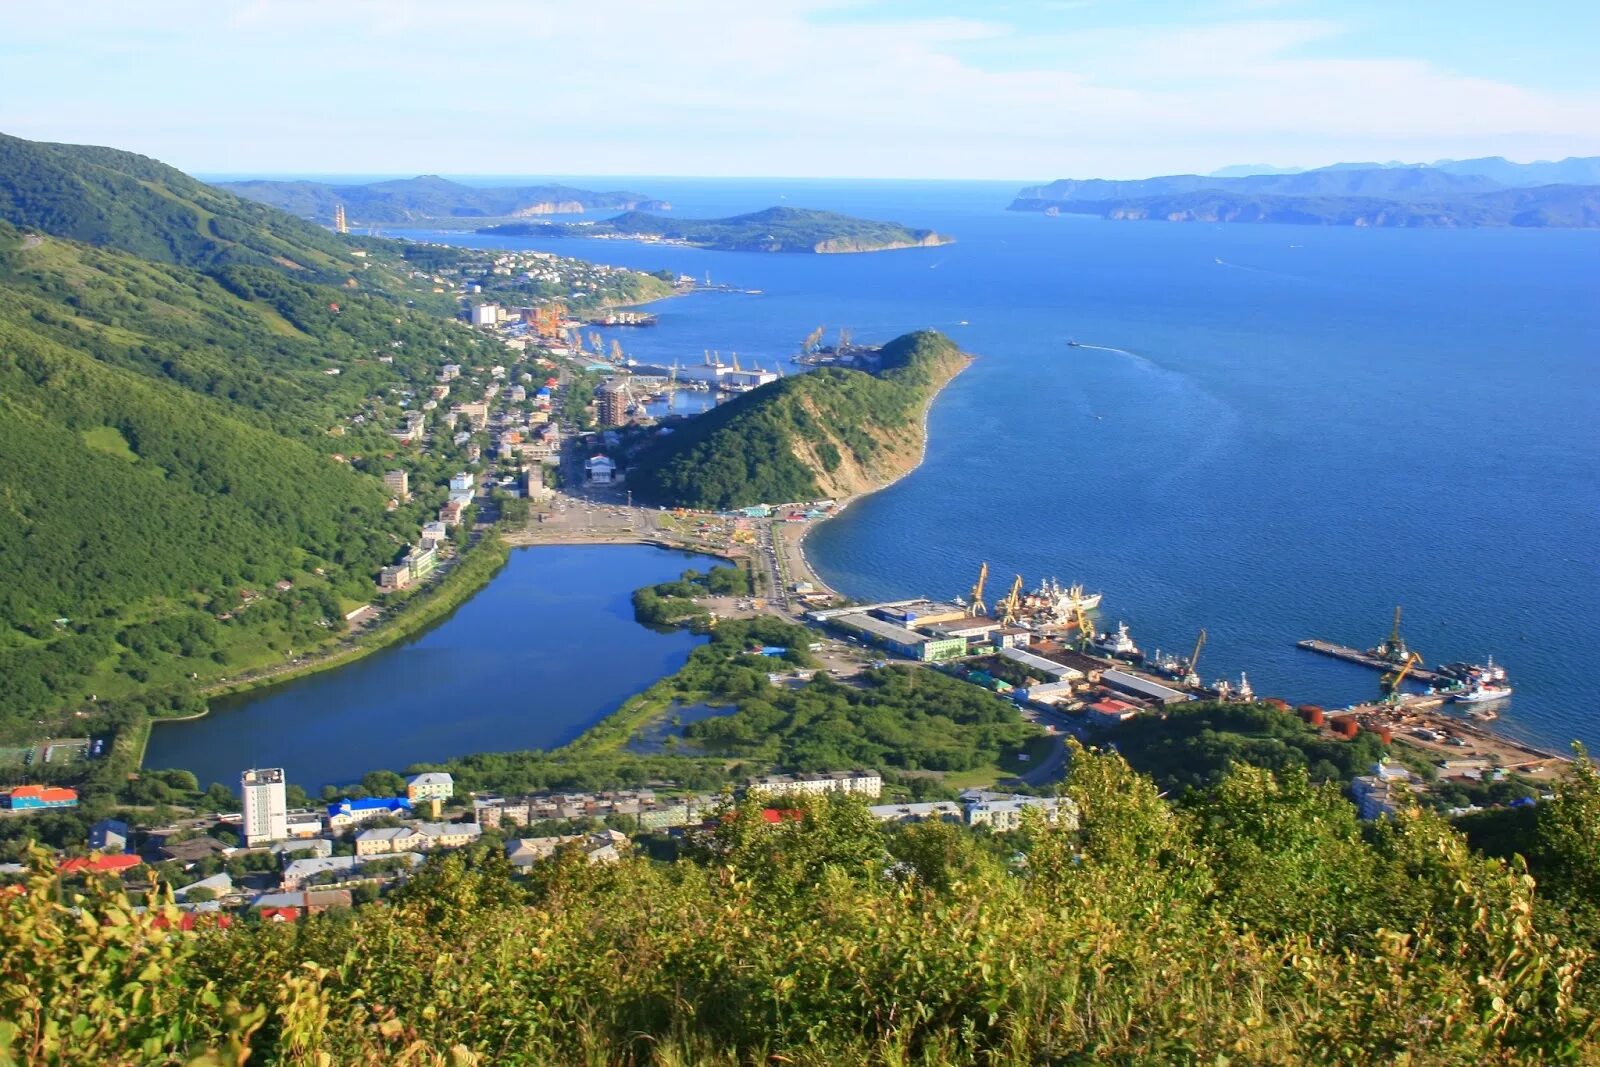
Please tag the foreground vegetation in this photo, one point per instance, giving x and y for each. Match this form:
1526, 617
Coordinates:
1255, 922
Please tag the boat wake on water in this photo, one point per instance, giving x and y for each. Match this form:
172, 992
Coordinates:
1146, 360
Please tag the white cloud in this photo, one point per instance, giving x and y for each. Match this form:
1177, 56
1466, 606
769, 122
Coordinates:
733, 87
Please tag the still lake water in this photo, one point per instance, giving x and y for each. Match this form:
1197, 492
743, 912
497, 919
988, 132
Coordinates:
544, 651
1300, 426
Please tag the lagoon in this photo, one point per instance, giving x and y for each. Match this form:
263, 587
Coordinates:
544, 651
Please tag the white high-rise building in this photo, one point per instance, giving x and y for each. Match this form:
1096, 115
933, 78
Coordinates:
266, 807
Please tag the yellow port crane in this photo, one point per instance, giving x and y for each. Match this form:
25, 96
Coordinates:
1391, 682
1085, 627
1191, 674
976, 605
1011, 603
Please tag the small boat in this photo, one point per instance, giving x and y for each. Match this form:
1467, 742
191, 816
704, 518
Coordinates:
1072, 343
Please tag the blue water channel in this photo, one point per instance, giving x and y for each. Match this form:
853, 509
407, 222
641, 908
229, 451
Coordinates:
545, 650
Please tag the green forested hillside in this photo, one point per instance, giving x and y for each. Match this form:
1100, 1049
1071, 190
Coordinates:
832, 432
168, 434
116, 199
1255, 922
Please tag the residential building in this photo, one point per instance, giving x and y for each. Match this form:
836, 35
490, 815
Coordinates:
398, 482
612, 401
386, 839
486, 315
421, 560
1004, 811
603, 846
41, 797
449, 834
266, 807
450, 513
858, 783
219, 885
449, 372
430, 785
287, 907
109, 835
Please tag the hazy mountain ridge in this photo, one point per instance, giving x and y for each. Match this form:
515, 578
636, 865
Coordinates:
1342, 195
432, 197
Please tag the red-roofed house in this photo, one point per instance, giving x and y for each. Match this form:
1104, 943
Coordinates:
98, 864
776, 815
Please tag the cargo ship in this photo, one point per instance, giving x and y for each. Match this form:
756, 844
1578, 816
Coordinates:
1118, 644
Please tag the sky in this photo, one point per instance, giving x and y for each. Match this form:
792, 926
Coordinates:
1013, 89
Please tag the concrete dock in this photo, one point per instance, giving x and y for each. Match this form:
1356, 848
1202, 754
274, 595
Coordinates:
1366, 659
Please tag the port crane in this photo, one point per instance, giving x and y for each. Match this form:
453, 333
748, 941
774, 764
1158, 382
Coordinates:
1084, 626
1394, 649
1011, 603
1391, 682
976, 604
1191, 676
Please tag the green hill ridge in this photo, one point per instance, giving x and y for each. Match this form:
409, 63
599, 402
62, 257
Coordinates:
166, 402
776, 229
831, 433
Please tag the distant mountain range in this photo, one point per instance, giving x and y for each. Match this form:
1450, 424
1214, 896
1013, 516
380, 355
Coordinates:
1574, 170
431, 198
776, 229
1454, 193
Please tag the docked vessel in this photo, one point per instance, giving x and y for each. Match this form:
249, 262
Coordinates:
1059, 604
1118, 644
1482, 692
1490, 672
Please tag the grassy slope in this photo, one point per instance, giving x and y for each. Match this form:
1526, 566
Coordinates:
787, 440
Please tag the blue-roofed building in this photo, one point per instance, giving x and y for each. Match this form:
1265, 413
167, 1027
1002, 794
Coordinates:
346, 813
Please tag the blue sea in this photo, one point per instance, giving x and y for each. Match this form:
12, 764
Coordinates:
1271, 432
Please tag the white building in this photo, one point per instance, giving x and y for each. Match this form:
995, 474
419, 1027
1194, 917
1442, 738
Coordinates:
1383, 792
266, 806
486, 315
601, 470
859, 783
1004, 811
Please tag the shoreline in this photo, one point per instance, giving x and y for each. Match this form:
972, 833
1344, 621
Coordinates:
922, 457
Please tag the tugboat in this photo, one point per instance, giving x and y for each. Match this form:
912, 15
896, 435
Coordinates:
1119, 645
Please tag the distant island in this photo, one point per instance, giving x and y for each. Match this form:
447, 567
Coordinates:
833, 433
430, 198
1490, 192
777, 229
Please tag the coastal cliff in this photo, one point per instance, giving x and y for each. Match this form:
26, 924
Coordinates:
833, 433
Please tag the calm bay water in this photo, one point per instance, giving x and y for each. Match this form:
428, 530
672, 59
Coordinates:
1298, 428
540, 654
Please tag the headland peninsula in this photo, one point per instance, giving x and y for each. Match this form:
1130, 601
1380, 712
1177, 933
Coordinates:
776, 229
